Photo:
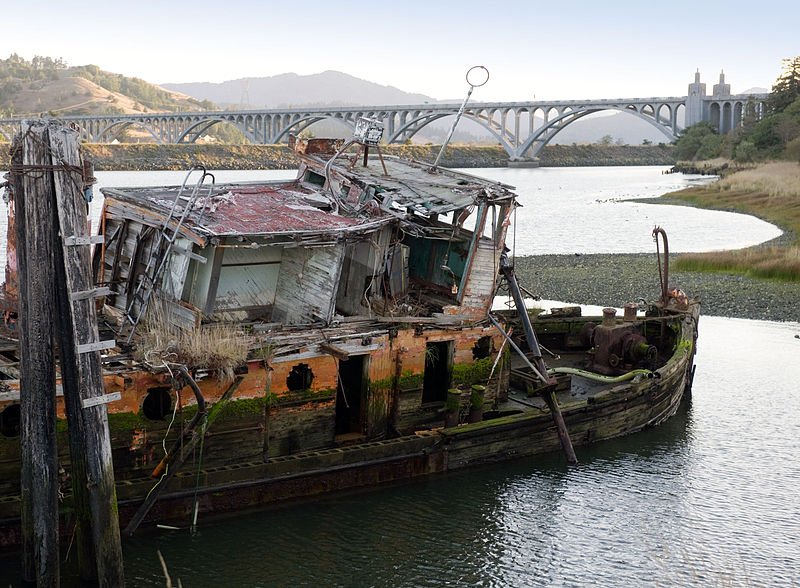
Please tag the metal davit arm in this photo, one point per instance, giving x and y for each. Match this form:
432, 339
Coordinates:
548, 392
663, 273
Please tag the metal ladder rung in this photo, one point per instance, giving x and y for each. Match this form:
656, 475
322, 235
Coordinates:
168, 234
189, 254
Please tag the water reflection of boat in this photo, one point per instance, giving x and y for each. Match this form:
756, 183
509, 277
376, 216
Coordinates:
286, 339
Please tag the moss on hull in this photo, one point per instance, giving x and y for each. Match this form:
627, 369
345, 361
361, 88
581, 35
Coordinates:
465, 375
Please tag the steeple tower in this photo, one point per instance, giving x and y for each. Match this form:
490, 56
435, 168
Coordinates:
694, 101
722, 89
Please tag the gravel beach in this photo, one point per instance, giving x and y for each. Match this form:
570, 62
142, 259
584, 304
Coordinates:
613, 280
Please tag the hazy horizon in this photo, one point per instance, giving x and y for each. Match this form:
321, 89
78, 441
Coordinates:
533, 50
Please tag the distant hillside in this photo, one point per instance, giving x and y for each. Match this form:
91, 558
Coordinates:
48, 86
754, 90
290, 89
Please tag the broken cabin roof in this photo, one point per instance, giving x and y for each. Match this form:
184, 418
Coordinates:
419, 187
244, 209
387, 188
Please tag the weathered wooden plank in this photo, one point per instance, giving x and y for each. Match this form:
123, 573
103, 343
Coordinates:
96, 346
334, 350
93, 293
306, 290
104, 399
74, 240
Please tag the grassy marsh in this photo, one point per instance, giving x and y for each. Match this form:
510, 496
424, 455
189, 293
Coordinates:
770, 191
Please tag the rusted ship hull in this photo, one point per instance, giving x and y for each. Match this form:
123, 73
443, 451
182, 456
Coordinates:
625, 410
225, 479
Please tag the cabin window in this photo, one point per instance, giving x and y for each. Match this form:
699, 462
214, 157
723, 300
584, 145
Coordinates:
9, 421
438, 370
314, 178
438, 264
300, 378
482, 348
157, 404
248, 280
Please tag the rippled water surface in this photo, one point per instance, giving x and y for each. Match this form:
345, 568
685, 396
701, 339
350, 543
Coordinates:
707, 499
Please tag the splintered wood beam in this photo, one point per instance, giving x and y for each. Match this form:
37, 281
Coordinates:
335, 351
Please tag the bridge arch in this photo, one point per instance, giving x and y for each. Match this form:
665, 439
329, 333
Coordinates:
116, 127
300, 124
199, 127
542, 136
422, 120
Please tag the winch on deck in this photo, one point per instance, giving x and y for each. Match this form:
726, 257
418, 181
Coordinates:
616, 348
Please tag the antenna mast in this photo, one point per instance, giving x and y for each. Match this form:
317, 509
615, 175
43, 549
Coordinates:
476, 76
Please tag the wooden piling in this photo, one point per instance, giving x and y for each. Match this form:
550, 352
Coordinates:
33, 203
80, 358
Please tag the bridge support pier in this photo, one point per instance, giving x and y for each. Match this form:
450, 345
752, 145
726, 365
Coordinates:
534, 162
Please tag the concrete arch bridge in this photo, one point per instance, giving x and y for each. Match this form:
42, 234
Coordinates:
522, 128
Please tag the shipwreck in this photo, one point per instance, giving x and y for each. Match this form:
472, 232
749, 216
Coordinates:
266, 341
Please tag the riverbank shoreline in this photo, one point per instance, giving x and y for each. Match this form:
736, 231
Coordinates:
154, 157
614, 279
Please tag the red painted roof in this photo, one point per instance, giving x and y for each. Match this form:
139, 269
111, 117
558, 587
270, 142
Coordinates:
268, 208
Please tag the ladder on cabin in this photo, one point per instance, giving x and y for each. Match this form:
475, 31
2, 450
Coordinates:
164, 245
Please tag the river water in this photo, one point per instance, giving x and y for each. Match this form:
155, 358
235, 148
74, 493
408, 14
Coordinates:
707, 499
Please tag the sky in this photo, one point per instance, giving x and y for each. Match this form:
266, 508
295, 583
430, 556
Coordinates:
532, 49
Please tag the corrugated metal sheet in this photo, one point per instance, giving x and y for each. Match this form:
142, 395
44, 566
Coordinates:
416, 186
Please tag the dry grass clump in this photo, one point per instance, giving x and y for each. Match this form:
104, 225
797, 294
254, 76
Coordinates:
779, 179
776, 263
219, 348
770, 192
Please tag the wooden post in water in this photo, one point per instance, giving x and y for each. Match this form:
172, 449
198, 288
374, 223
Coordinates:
80, 360
33, 203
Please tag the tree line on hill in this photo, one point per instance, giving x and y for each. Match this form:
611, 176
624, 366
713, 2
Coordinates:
17, 72
776, 135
